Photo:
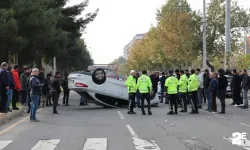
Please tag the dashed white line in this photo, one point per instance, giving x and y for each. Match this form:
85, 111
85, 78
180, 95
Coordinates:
245, 124
132, 132
120, 115
141, 144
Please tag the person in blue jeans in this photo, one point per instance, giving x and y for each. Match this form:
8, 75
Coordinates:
206, 83
10, 91
35, 92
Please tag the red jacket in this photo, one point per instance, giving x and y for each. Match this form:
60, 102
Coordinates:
17, 81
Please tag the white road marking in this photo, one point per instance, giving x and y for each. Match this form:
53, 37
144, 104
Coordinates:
166, 121
96, 144
3, 144
46, 144
245, 146
120, 115
245, 124
141, 144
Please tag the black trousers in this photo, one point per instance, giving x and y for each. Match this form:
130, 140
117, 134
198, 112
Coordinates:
184, 100
66, 96
143, 97
194, 101
222, 97
173, 98
48, 98
23, 96
15, 97
3, 98
236, 96
55, 97
131, 101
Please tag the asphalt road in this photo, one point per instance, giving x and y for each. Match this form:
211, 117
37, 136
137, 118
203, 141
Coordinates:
95, 128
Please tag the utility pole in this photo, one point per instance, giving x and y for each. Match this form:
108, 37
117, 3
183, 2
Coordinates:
227, 44
54, 65
204, 30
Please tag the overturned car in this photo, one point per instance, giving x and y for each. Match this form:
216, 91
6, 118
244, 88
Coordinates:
101, 85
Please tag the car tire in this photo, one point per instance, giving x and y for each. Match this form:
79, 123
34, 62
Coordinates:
152, 96
99, 76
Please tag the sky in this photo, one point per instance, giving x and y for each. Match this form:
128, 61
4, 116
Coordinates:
119, 20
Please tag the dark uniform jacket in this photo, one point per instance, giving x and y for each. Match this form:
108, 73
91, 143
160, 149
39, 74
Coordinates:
55, 84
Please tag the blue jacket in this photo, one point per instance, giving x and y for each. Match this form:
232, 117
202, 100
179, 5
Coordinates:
35, 86
213, 85
11, 80
4, 80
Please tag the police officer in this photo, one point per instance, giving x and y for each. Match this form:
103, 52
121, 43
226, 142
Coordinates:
144, 86
131, 84
193, 85
183, 90
171, 86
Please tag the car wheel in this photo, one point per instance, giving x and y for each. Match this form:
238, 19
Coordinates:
152, 96
154, 105
99, 76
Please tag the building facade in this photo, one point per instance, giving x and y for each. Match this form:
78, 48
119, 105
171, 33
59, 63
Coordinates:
127, 48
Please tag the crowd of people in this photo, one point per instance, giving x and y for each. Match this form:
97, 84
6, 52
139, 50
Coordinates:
183, 88
27, 85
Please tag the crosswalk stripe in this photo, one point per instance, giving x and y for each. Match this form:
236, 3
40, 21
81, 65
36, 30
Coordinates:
3, 144
46, 144
96, 144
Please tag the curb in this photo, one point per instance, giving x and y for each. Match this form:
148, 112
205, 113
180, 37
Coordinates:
4, 118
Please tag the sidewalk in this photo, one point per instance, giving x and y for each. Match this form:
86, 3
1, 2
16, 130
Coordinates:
11, 115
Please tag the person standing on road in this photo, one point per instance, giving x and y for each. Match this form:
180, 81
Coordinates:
35, 91
171, 86
222, 86
201, 88
206, 84
137, 95
131, 84
10, 91
183, 90
66, 90
245, 84
47, 89
213, 87
162, 80
55, 90
4, 87
24, 83
193, 85
144, 85
17, 88
236, 88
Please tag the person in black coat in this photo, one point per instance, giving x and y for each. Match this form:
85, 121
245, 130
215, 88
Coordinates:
236, 88
10, 91
162, 80
4, 87
222, 86
155, 79
55, 90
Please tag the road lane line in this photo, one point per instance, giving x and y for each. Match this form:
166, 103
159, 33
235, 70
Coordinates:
3, 144
245, 124
46, 144
15, 124
96, 144
141, 144
132, 132
120, 115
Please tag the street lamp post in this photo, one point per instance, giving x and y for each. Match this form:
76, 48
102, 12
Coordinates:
54, 65
227, 31
204, 30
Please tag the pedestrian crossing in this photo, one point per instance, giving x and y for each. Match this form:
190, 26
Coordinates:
90, 144
245, 143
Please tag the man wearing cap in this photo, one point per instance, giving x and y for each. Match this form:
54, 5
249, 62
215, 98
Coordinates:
65, 90
131, 84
